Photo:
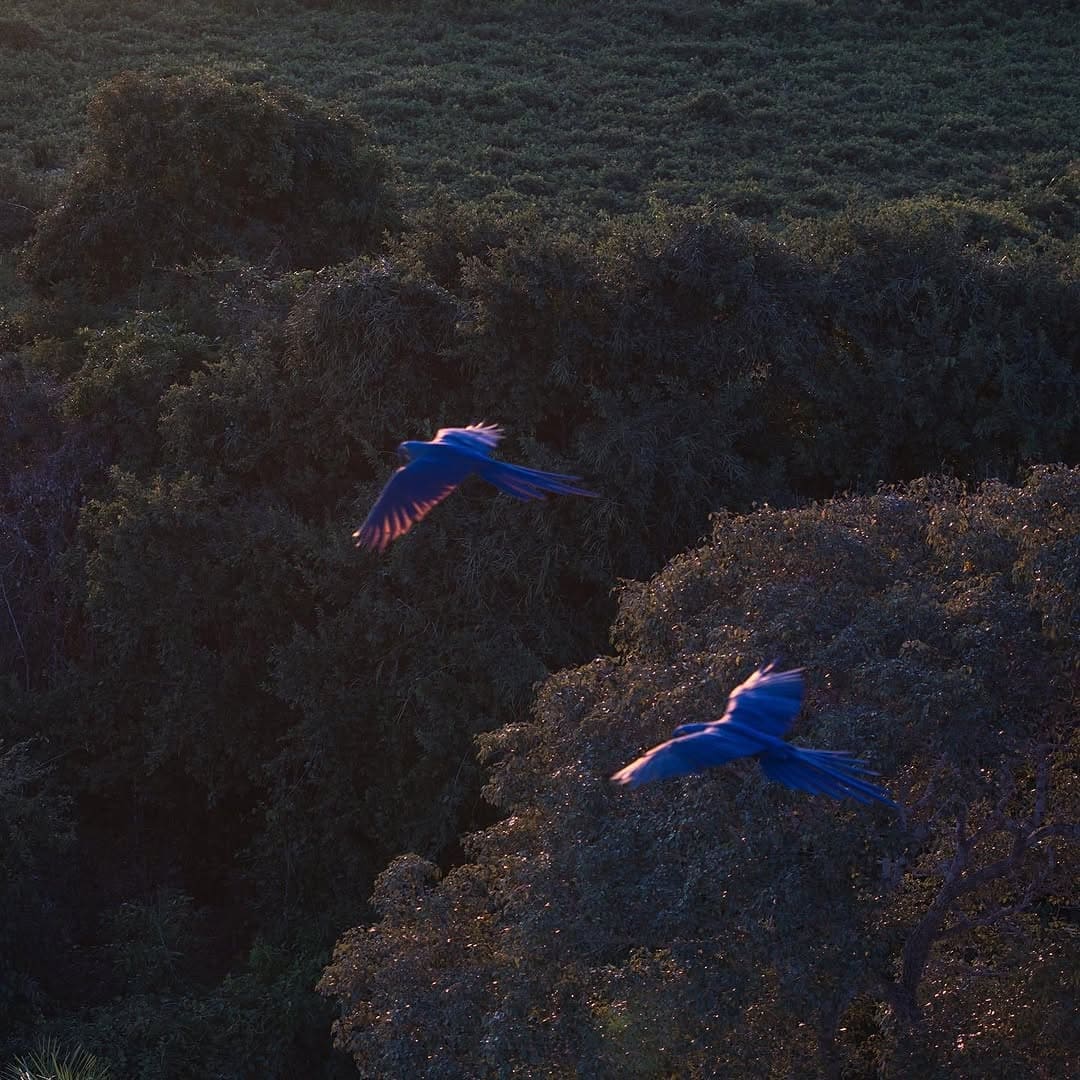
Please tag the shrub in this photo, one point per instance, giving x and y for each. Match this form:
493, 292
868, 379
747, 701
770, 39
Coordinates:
260, 1020
1056, 201
941, 353
35, 831
18, 34
125, 373
22, 196
195, 165
16, 221
43, 468
50, 1062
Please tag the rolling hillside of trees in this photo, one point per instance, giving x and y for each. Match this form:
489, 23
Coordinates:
795, 286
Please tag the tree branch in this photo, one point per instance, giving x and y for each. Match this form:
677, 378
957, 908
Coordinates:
960, 879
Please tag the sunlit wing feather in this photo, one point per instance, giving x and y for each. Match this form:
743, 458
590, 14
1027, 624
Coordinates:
410, 495
682, 756
768, 700
479, 438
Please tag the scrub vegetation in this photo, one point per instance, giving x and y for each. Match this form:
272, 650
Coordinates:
794, 285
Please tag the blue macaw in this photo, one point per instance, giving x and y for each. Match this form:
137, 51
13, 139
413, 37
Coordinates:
759, 712
433, 469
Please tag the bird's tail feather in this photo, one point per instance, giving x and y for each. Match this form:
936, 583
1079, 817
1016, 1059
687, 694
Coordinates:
523, 483
824, 772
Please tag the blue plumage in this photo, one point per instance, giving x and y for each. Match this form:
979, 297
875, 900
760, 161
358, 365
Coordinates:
434, 469
759, 712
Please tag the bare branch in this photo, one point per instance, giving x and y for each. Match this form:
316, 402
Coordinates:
18, 635
1067, 830
964, 922
1042, 789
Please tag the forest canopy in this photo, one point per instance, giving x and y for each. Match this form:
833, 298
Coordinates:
722, 925
240, 759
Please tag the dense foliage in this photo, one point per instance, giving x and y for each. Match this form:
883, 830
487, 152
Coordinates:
35, 831
722, 925
219, 722
769, 107
198, 166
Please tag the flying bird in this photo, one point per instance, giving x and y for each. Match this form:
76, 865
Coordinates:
759, 712
433, 469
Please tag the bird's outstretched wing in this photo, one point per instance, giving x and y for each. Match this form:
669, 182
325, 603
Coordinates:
480, 438
409, 496
684, 755
768, 701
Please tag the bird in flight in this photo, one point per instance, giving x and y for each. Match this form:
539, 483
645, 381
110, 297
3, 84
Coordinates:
759, 712
433, 469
